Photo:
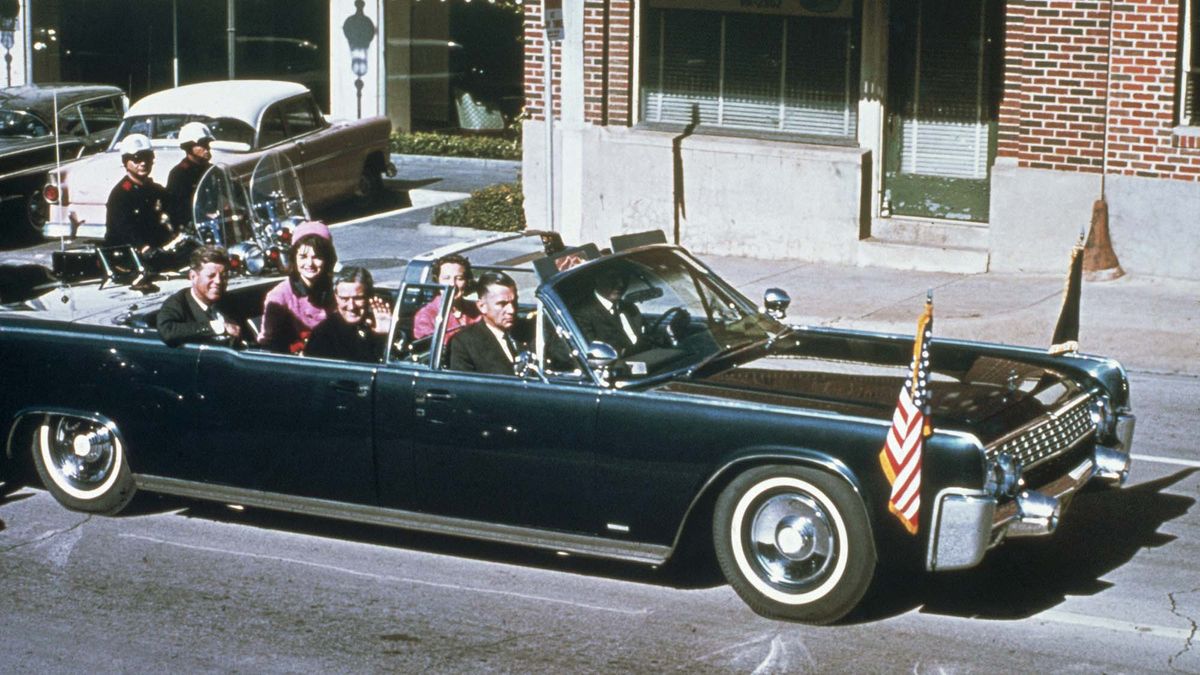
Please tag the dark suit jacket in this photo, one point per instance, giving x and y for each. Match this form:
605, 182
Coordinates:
597, 323
181, 320
333, 338
475, 349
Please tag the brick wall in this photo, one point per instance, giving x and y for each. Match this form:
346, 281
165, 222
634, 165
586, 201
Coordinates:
607, 61
1056, 66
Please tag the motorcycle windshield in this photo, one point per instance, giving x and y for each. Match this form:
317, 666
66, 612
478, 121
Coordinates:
220, 209
275, 192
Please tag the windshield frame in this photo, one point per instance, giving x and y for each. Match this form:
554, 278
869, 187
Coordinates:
551, 293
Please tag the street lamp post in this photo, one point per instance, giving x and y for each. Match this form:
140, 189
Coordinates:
359, 31
9, 9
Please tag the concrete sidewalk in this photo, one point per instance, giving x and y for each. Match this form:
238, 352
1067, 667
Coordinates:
1148, 324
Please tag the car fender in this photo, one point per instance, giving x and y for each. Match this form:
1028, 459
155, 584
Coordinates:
37, 411
745, 458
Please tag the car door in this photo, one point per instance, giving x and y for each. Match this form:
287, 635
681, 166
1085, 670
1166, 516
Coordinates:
323, 155
288, 424
100, 119
498, 448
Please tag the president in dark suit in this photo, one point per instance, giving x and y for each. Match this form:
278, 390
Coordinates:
196, 313
488, 346
605, 317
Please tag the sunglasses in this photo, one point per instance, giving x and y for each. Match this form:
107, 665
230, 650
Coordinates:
142, 157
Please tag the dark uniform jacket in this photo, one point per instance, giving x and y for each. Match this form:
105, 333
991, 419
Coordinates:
135, 215
181, 188
182, 320
333, 338
598, 323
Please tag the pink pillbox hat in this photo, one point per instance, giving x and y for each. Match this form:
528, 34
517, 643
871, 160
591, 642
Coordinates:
312, 227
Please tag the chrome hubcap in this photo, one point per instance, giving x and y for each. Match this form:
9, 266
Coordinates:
792, 540
82, 452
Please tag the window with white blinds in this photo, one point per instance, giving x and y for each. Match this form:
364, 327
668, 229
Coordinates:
1190, 65
791, 74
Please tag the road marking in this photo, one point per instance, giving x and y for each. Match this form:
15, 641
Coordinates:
1166, 460
421, 199
389, 578
1057, 616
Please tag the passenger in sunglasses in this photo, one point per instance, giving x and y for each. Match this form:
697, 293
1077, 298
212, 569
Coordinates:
137, 206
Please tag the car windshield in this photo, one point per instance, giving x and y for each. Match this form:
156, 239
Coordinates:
167, 127
18, 124
680, 314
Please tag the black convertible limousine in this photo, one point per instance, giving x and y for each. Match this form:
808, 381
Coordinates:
761, 438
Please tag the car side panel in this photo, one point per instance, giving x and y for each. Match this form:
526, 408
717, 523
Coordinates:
287, 424
657, 452
137, 382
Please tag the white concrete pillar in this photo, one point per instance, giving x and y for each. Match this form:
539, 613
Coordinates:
872, 107
571, 82
356, 71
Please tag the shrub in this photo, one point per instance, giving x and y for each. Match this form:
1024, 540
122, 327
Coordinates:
450, 145
499, 207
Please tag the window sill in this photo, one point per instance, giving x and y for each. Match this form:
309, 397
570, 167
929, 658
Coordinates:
753, 134
1186, 137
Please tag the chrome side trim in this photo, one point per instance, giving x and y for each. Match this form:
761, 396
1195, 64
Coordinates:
961, 529
597, 547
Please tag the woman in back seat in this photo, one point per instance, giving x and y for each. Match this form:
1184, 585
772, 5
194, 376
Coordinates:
297, 304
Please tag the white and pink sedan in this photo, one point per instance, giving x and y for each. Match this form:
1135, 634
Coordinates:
334, 159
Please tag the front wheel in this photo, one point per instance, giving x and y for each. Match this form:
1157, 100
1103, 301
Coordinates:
83, 464
795, 543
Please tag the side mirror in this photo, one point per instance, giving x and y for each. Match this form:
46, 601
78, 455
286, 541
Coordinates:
776, 301
600, 354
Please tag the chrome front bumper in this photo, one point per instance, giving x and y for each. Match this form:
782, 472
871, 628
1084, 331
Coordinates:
966, 522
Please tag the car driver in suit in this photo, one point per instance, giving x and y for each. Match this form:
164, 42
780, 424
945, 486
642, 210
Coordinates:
488, 346
196, 313
606, 317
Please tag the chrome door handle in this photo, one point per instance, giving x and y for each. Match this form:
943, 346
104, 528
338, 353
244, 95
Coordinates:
439, 395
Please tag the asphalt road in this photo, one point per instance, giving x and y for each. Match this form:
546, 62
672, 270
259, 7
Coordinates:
176, 585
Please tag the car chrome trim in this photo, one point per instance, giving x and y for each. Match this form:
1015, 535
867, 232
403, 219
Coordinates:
961, 528
1036, 512
1049, 435
585, 545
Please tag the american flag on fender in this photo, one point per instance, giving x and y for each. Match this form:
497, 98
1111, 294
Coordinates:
901, 454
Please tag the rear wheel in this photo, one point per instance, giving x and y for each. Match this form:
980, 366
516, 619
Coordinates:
35, 213
83, 464
795, 543
370, 183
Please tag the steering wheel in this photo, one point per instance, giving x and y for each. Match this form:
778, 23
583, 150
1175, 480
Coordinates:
671, 325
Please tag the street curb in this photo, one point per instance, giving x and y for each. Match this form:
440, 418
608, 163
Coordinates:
474, 162
455, 231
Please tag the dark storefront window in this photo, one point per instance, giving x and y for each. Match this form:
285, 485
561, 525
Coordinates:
129, 43
790, 74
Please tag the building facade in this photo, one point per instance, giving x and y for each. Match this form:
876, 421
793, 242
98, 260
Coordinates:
958, 135
410, 60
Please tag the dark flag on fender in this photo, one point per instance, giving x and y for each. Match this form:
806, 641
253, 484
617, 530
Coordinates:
1066, 333
901, 454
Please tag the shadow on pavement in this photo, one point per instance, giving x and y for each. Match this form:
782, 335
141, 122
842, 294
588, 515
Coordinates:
1101, 531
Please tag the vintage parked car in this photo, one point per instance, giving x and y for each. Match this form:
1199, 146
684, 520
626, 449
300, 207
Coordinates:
335, 160
725, 426
88, 115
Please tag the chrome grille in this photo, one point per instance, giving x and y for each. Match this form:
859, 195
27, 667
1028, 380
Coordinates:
1046, 438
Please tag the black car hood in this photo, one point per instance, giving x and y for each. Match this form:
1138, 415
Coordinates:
980, 394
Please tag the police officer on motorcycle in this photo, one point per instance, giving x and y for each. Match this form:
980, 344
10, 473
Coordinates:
137, 206
194, 138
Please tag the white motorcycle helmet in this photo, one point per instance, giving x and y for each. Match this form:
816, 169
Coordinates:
194, 132
133, 144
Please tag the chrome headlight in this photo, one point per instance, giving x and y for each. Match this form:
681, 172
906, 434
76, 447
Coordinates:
1003, 478
247, 258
